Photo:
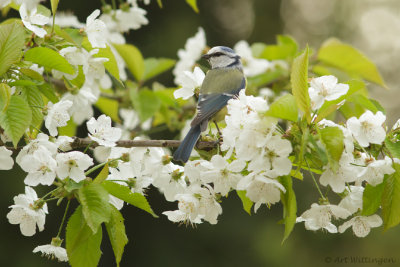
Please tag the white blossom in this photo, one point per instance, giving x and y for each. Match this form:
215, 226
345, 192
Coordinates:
73, 165
6, 161
354, 199
31, 18
41, 142
53, 250
368, 128
251, 66
222, 174
361, 224
261, 189
82, 103
40, 166
25, 212
320, 216
209, 208
124, 20
188, 210
187, 57
189, 82
57, 115
325, 88
102, 132
376, 170
96, 30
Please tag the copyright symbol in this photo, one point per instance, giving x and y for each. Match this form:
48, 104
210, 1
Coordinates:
328, 259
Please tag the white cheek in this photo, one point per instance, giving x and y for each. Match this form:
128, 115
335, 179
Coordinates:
219, 62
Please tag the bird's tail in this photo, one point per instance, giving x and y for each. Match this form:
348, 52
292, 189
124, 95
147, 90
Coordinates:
185, 148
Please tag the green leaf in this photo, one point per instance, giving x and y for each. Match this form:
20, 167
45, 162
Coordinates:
69, 129
391, 199
54, 5
332, 138
394, 148
363, 102
5, 95
286, 48
347, 58
16, 119
145, 102
284, 107
49, 92
102, 176
116, 232
41, 9
124, 193
11, 44
110, 107
193, 5
32, 74
372, 197
246, 202
156, 66
95, 206
33, 97
83, 247
159, 2
133, 59
49, 59
266, 78
74, 36
289, 206
299, 82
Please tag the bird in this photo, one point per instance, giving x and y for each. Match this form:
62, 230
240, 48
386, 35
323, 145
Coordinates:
222, 82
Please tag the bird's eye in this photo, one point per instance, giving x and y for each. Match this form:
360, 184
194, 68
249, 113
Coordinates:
217, 54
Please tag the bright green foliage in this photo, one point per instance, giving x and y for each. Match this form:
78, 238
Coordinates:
83, 246
247, 203
332, 138
347, 58
289, 206
299, 81
391, 199
48, 91
394, 148
33, 97
102, 176
32, 74
372, 198
193, 4
95, 206
116, 233
11, 44
133, 59
156, 66
54, 5
69, 129
284, 108
285, 48
16, 119
49, 58
5, 95
110, 107
124, 193
145, 102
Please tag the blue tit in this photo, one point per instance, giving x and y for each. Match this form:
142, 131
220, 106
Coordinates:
223, 81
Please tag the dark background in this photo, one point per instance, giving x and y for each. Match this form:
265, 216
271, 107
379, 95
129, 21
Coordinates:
238, 239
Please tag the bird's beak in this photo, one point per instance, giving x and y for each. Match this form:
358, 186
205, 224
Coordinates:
206, 56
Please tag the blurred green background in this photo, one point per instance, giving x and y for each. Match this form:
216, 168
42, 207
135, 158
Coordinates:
238, 239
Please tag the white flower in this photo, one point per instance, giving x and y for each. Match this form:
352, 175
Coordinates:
222, 174
209, 208
102, 132
65, 20
189, 82
273, 158
94, 66
376, 170
130, 118
187, 57
251, 66
354, 199
31, 18
6, 161
82, 104
261, 189
368, 128
53, 250
64, 143
320, 216
96, 30
25, 212
361, 224
73, 165
325, 88
41, 142
125, 20
188, 210
40, 166
168, 178
57, 115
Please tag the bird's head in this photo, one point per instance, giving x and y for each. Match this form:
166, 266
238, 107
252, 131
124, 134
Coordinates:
222, 57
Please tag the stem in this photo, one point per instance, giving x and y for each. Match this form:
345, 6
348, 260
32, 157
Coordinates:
49, 193
63, 219
98, 166
315, 181
114, 5
91, 143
